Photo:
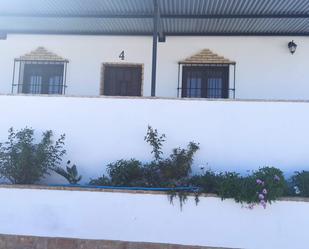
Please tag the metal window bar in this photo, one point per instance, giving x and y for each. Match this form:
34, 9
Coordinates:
231, 90
35, 86
213, 92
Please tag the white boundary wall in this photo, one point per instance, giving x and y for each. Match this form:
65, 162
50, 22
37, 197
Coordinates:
265, 67
233, 135
151, 218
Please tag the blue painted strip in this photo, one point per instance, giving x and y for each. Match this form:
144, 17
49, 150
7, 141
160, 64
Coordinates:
190, 189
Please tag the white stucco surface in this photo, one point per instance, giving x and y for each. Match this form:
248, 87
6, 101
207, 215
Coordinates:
151, 218
265, 67
233, 135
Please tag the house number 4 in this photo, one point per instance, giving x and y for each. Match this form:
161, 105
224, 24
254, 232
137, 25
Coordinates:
122, 56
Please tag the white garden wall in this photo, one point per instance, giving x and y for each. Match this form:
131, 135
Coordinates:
233, 135
151, 218
265, 67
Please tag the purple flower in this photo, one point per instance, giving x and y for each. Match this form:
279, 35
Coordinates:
263, 203
261, 197
276, 178
264, 191
258, 181
251, 206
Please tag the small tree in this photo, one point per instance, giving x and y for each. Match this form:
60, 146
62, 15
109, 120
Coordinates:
156, 142
22, 161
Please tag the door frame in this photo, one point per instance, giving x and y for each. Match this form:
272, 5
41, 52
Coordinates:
112, 64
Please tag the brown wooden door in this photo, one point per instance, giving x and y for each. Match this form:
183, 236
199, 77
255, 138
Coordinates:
122, 81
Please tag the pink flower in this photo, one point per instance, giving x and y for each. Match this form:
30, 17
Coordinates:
265, 191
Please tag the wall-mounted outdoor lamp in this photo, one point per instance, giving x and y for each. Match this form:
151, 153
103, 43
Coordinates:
162, 38
292, 47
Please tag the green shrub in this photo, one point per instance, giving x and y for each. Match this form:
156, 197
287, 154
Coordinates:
299, 184
231, 185
264, 185
152, 175
126, 173
170, 172
22, 161
173, 170
207, 183
178, 165
227, 185
273, 182
101, 181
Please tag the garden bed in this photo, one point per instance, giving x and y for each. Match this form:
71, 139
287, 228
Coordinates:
24, 161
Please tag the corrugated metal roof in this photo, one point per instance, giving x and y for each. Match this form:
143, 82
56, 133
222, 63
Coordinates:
76, 25
75, 7
208, 7
226, 26
178, 17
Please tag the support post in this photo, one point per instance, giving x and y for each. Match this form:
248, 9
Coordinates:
178, 86
154, 47
234, 92
65, 78
13, 80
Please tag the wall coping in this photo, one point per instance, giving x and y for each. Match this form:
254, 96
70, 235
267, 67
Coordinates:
155, 98
84, 189
35, 242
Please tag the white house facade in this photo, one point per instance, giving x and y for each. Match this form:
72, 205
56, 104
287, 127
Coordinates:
257, 67
231, 76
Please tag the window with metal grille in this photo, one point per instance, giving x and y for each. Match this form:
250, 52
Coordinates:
41, 78
205, 82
